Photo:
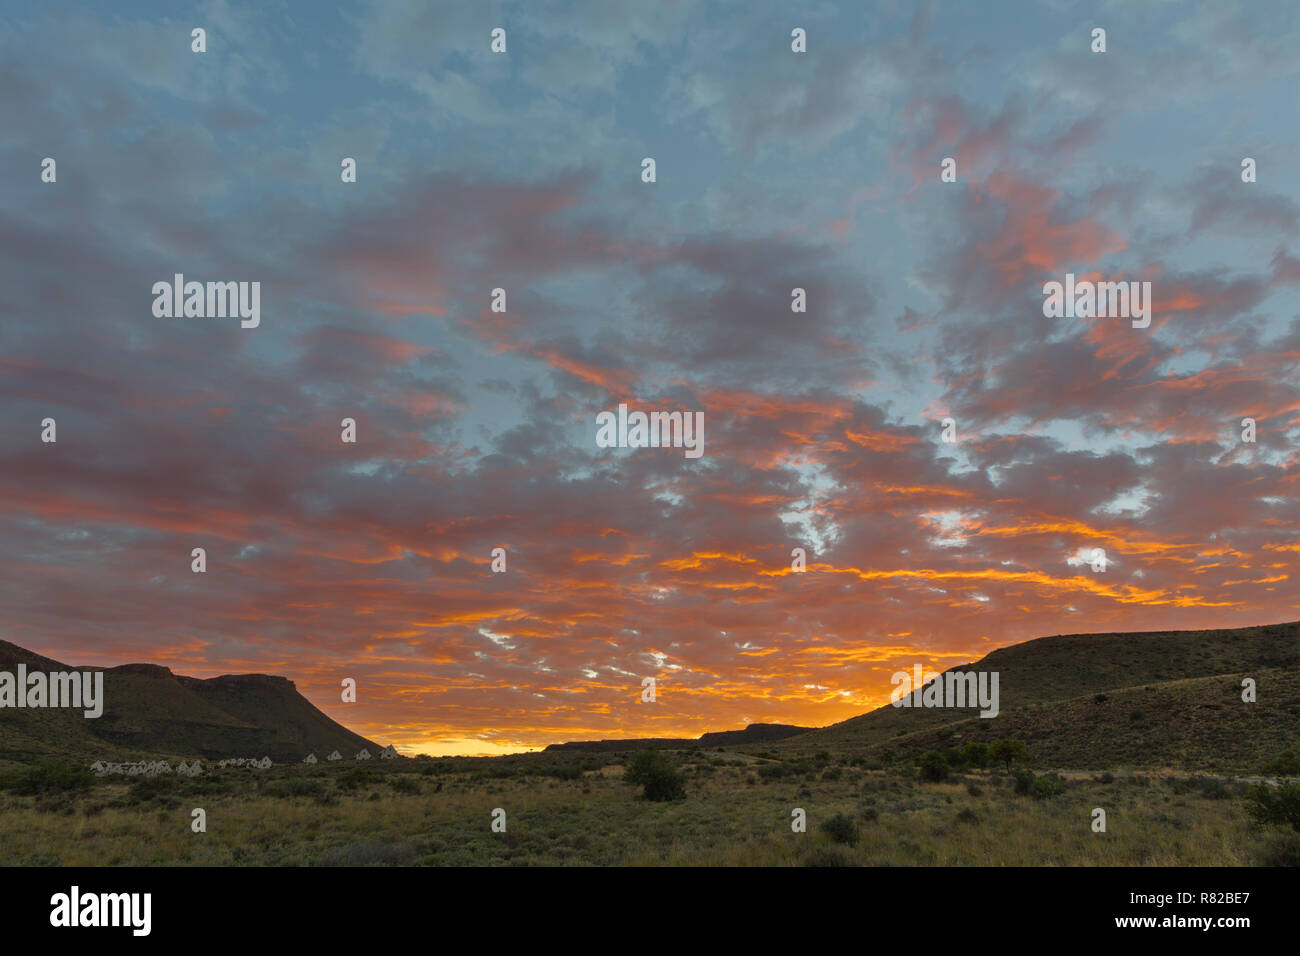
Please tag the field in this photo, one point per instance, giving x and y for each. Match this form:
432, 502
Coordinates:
580, 811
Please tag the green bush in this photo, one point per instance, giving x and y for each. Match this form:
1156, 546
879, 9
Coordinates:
653, 771
976, 754
841, 829
934, 766
401, 783
1023, 780
1048, 785
1287, 764
48, 777
1275, 806
354, 778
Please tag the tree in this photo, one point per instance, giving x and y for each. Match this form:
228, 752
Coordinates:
655, 772
1007, 751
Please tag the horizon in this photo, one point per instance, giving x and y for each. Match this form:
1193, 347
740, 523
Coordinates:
906, 454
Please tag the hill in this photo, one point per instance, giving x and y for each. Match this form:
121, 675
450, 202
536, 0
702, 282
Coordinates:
753, 734
149, 711
1161, 698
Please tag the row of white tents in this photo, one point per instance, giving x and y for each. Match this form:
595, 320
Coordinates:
263, 764
145, 768
388, 753
152, 768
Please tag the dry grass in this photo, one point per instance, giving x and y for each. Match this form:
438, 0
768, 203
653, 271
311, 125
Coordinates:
730, 817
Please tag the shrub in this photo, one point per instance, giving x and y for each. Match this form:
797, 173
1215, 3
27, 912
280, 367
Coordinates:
974, 790
354, 778
294, 788
968, 816
976, 754
401, 783
566, 772
1107, 777
653, 771
1101, 698
934, 766
1284, 851
1023, 780
1275, 806
841, 829
827, 856
1287, 764
48, 777
1048, 785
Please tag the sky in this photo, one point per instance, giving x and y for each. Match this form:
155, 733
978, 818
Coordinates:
476, 429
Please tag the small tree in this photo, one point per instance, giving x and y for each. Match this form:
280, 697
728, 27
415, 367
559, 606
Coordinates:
655, 772
1007, 751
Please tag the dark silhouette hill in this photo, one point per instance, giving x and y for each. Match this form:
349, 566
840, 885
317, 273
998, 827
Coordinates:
1084, 701
753, 734
150, 711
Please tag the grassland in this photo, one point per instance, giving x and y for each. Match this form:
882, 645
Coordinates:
581, 812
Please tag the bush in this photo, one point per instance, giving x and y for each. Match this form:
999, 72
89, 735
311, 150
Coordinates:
974, 790
294, 788
656, 774
1275, 806
1284, 851
1048, 785
1287, 764
1023, 780
48, 777
968, 815
934, 766
1107, 777
841, 829
976, 754
354, 778
401, 783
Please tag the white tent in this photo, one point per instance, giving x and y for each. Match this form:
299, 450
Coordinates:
183, 768
363, 754
310, 758
98, 766
388, 753
262, 764
335, 756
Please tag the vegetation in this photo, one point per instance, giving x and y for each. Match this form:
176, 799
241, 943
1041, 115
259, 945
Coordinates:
655, 772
